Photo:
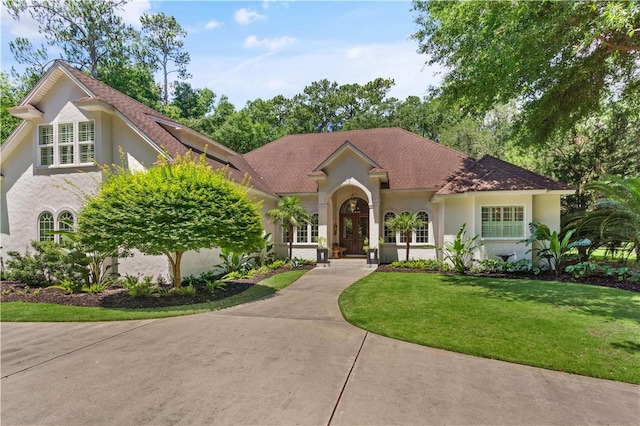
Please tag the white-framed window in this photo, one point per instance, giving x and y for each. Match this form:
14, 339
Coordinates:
45, 145
503, 221
418, 236
45, 227
65, 223
403, 235
66, 144
421, 235
304, 234
389, 235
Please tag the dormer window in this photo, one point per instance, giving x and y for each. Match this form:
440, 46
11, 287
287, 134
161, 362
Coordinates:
66, 144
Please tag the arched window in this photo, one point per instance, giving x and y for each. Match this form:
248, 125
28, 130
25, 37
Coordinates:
403, 235
422, 233
65, 223
389, 235
302, 233
45, 227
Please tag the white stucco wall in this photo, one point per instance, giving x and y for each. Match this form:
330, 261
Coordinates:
27, 191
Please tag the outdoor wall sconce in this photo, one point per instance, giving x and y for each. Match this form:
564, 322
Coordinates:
335, 229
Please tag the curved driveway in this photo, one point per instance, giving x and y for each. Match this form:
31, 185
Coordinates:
286, 359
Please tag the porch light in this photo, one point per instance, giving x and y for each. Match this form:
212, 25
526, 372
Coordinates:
353, 204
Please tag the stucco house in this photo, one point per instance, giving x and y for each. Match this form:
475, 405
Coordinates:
351, 182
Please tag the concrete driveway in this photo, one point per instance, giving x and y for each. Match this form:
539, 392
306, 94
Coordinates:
287, 359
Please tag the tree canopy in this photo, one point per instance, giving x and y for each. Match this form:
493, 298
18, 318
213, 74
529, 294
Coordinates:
559, 60
169, 209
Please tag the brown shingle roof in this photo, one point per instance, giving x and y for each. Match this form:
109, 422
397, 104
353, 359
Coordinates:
145, 119
412, 161
492, 174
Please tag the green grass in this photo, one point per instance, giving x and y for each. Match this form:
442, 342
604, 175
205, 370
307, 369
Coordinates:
582, 329
46, 312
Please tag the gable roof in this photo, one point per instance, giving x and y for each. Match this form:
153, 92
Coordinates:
412, 162
492, 174
149, 123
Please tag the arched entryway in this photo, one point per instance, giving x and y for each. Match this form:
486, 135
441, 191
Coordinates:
354, 225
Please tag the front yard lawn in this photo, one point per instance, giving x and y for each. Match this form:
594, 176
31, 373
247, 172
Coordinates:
582, 329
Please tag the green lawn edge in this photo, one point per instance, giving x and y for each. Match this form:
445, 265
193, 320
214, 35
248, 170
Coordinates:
576, 328
47, 312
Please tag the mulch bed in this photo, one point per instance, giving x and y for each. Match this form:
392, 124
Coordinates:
545, 276
118, 297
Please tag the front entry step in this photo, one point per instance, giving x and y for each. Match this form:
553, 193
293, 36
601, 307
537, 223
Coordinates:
357, 263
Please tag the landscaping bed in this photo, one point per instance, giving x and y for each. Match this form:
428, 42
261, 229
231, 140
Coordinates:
599, 280
118, 297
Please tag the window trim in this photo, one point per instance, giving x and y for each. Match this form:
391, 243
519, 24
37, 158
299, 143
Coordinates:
398, 238
309, 233
502, 206
40, 231
56, 146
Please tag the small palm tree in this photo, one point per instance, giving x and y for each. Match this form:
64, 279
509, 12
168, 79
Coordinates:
615, 217
406, 223
289, 213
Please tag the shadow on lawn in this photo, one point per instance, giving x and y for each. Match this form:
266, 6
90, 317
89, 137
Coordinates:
628, 346
601, 301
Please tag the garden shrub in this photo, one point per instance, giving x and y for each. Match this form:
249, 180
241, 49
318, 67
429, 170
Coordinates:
278, 264
424, 264
187, 290
47, 265
212, 286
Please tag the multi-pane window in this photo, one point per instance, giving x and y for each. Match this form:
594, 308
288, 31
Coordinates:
86, 141
305, 233
302, 233
418, 236
65, 223
45, 145
45, 227
285, 232
66, 143
503, 222
422, 233
403, 235
389, 235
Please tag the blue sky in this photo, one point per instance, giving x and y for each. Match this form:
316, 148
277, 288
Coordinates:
259, 49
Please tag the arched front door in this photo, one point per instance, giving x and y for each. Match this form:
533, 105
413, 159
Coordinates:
354, 225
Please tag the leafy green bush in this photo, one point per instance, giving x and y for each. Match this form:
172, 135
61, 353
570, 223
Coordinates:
141, 289
187, 290
490, 266
130, 281
591, 269
460, 251
212, 286
68, 285
201, 280
44, 267
425, 264
280, 263
96, 288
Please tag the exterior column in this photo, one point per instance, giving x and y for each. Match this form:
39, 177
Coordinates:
323, 219
374, 224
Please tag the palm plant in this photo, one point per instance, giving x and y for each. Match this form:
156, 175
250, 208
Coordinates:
406, 223
615, 217
289, 213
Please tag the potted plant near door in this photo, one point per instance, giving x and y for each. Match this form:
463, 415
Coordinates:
371, 251
322, 251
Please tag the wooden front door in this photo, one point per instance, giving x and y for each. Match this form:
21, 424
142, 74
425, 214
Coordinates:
354, 225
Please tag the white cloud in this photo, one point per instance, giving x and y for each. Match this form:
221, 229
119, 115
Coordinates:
245, 16
359, 52
268, 75
271, 44
25, 27
213, 24
131, 12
